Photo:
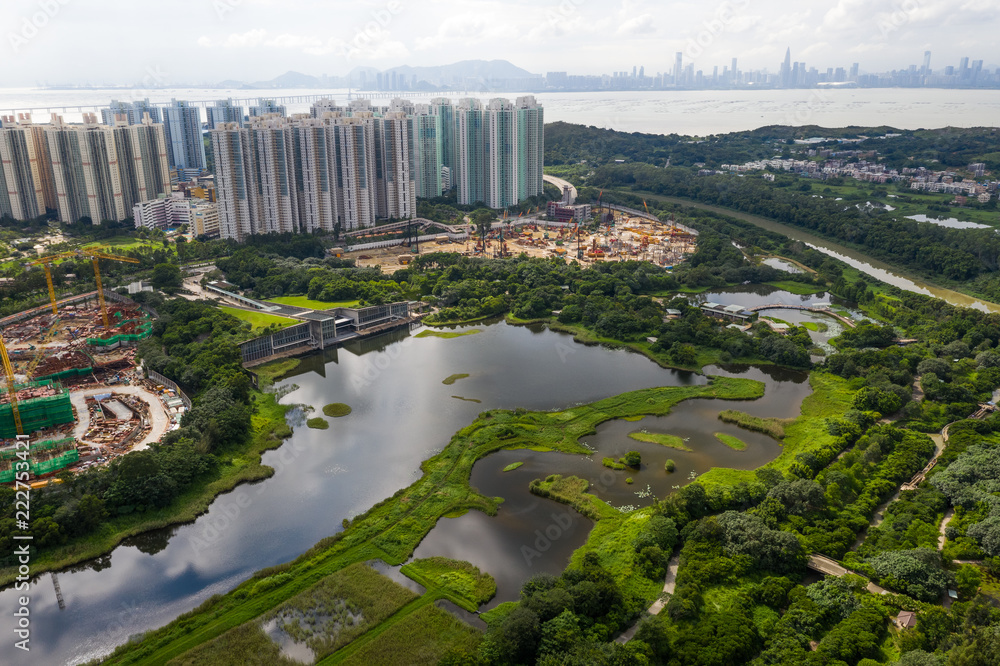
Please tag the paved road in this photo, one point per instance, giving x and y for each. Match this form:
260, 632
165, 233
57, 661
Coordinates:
668, 586
158, 415
560, 183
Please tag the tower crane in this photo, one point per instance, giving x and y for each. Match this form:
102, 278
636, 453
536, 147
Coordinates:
8, 370
93, 255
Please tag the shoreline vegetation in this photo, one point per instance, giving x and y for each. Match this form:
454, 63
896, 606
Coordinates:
671, 441
392, 529
336, 410
447, 335
242, 465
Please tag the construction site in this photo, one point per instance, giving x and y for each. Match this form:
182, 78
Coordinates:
620, 234
73, 388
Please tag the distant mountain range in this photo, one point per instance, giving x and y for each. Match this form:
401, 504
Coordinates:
457, 74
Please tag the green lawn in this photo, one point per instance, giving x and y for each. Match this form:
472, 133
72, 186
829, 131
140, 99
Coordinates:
447, 335
259, 320
663, 439
306, 302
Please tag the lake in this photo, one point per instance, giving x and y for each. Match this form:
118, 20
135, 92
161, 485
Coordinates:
403, 414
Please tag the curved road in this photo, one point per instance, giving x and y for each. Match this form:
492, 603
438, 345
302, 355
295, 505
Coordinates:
560, 183
157, 415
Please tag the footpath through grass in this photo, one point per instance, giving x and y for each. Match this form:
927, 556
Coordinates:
393, 528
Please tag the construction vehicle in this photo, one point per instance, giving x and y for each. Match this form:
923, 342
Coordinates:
93, 255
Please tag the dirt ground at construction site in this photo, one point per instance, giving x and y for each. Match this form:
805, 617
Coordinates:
627, 239
114, 408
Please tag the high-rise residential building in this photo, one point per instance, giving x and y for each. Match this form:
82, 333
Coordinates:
21, 193
303, 174
85, 170
322, 106
223, 111
357, 172
428, 135
266, 107
182, 125
470, 148
530, 147
142, 160
397, 159
43, 175
443, 108
319, 197
134, 112
234, 181
101, 172
501, 154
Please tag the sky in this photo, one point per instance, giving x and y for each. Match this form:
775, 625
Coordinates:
133, 42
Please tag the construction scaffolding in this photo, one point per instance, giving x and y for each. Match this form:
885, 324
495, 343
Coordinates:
43, 458
41, 404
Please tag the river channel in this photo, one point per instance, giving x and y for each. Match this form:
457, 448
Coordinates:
403, 414
865, 264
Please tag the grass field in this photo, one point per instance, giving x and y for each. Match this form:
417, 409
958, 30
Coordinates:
393, 528
797, 287
421, 637
451, 379
511, 467
673, 441
318, 423
459, 582
735, 443
771, 427
245, 645
447, 335
259, 320
306, 302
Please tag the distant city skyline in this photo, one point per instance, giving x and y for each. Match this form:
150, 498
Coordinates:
249, 40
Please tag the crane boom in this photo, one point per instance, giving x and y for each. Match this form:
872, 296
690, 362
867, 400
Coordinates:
8, 370
94, 255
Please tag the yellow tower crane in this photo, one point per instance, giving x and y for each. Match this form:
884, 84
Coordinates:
8, 370
93, 255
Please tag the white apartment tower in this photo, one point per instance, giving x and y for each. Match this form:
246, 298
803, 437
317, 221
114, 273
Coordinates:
470, 173
85, 171
397, 153
428, 144
21, 194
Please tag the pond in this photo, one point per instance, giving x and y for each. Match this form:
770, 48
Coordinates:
402, 414
950, 222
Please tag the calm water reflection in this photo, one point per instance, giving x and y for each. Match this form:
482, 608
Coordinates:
402, 415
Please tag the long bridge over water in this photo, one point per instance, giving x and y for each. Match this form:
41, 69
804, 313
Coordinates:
130, 94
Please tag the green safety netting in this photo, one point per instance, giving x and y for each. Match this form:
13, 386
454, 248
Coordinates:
143, 329
36, 413
43, 458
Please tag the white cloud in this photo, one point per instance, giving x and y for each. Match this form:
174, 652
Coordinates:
247, 39
640, 25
